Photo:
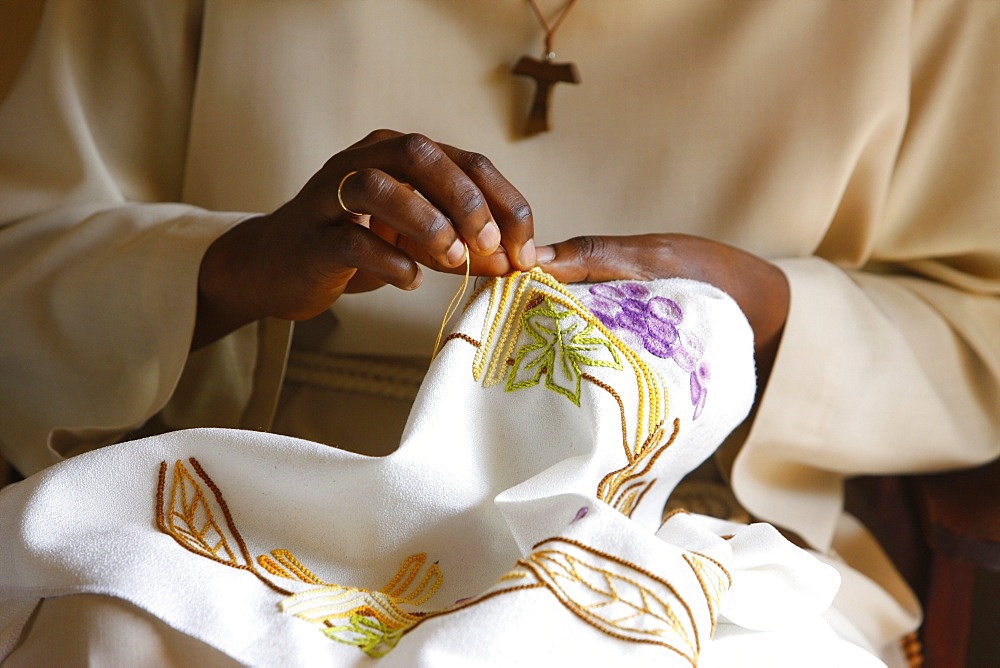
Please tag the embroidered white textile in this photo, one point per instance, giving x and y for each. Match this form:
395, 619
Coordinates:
519, 521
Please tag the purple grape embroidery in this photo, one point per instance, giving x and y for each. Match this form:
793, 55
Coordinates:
628, 310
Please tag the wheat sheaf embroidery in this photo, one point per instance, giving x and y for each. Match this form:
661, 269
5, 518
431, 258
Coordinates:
190, 517
625, 488
373, 621
611, 594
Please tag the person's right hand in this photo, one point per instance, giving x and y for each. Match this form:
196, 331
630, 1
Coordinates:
420, 201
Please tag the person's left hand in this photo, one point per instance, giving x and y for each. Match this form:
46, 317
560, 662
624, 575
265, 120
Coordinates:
759, 287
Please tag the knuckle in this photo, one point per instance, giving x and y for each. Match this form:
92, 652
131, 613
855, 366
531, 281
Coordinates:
417, 150
371, 184
589, 248
408, 273
470, 199
382, 134
477, 162
438, 227
521, 211
351, 244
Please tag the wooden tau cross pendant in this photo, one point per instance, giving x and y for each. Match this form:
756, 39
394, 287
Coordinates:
546, 75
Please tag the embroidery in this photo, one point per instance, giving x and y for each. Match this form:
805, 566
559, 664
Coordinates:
464, 337
190, 520
616, 597
613, 595
714, 579
512, 298
654, 323
621, 409
373, 621
563, 342
284, 564
624, 489
563, 337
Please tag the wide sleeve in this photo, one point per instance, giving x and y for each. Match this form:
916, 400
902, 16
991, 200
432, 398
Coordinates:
98, 259
890, 361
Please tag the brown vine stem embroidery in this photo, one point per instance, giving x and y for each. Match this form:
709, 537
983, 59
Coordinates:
623, 489
374, 621
461, 337
613, 595
610, 594
190, 520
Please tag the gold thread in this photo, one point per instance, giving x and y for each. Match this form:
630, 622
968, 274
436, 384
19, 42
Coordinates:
498, 291
478, 290
645, 376
652, 404
699, 571
612, 482
454, 303
506, 311
287, 562
505, 345
718, 563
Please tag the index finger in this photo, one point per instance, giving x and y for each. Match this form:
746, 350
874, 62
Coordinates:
510, 209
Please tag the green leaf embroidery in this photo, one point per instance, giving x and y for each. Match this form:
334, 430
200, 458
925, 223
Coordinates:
369, 634
563, 343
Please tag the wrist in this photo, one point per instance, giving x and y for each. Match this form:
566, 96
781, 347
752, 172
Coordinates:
227, 300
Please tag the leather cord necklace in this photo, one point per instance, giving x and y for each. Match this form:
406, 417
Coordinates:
546, 72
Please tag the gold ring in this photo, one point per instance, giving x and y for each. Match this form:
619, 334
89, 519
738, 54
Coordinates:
340, 194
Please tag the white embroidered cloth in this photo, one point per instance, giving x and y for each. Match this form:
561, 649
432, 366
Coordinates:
519, 521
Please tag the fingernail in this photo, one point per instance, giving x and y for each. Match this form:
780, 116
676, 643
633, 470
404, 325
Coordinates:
545, 254
456, 253
489, 238
527, 256
417, 280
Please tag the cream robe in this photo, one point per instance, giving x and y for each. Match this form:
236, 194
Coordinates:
854, 143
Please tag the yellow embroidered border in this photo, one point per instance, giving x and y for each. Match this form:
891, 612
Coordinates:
511, 296
511, 299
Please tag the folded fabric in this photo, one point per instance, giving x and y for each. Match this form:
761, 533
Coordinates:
520, 519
